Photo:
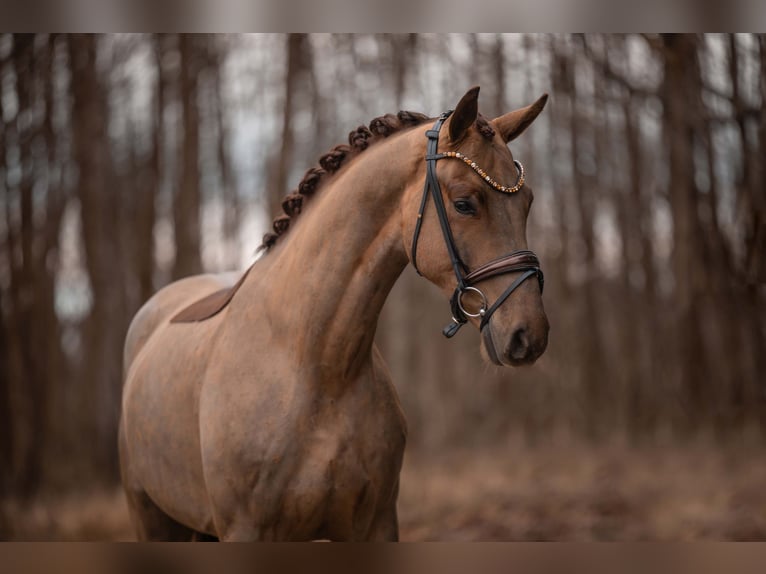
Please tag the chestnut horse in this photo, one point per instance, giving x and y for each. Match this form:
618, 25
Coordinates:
265, 411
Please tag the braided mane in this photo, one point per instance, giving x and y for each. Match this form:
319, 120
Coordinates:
358, 140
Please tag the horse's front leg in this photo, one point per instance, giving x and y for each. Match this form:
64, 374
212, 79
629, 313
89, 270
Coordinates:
385, 525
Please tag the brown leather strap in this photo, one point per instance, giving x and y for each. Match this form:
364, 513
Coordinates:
489, 344
210, 305
516, 261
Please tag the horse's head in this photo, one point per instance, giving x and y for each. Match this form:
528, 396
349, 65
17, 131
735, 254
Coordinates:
486, 201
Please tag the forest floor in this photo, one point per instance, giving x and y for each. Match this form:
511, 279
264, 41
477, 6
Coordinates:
569, 494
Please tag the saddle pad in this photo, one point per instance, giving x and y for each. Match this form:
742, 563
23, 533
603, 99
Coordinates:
208, 306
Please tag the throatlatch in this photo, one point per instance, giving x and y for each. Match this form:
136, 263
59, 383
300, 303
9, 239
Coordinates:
523, 261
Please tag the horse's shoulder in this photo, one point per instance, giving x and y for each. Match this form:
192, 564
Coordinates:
168, 301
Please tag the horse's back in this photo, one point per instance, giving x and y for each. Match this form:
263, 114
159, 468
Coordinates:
164, 304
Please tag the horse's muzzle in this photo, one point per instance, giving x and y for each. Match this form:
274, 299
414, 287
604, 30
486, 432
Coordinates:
525, 346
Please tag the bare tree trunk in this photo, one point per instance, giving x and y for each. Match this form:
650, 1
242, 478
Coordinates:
56, 366
639, 323
559, 82
593, 371
31, 279
559, 282
756, 236
474, 66
149, 190
6, 428
403, 51
755, 247
297, 44
231, 203
187, 201
680, 89
6, 422
101, 372
498, 72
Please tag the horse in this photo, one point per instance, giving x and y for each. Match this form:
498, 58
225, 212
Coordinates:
264, 411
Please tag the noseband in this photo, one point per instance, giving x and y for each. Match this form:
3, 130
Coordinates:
523, 261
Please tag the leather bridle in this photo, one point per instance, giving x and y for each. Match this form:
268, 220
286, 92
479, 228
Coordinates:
523, 261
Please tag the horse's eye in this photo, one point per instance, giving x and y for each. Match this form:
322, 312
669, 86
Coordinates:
465, 207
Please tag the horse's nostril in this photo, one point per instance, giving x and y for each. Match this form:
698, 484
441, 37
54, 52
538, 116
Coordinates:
519, 347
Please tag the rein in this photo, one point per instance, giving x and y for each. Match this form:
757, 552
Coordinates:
523, 261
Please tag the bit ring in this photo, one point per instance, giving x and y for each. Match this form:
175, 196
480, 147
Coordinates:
483, 308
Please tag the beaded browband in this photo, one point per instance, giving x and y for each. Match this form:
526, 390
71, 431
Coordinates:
470, 163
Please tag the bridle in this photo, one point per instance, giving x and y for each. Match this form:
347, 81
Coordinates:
523, 261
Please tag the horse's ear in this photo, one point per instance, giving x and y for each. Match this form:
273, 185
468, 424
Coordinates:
465, 114
512, 124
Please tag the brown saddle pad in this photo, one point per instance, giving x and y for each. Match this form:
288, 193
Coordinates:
209, 305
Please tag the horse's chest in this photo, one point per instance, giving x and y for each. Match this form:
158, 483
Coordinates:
309, 466
348, 471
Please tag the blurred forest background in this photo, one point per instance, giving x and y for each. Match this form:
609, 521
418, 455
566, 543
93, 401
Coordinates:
128, 161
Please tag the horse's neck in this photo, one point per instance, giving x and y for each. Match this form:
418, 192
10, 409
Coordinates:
326, 286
